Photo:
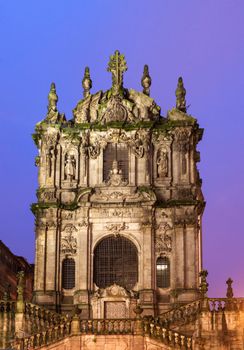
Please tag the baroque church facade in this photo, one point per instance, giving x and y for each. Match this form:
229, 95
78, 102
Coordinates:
119, 209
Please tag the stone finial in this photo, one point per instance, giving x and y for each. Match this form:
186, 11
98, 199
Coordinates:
146, 81
229, 292
20, 292
20, 285
117, 66
138, 311
52, 98
180, 94
86, 82
204, 284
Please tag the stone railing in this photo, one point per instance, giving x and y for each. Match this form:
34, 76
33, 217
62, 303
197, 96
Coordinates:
181, 315
7, 306
167, 336
48, 336
107, 326
225, 304
7, 322
38, 318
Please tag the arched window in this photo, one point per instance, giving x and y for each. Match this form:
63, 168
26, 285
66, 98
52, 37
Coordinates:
118, 152
68, 273
163, 272
115, 261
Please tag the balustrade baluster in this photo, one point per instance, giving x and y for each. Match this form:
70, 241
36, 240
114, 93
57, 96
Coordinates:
182, 340
170, 336
26, 343
188, 343
176, 338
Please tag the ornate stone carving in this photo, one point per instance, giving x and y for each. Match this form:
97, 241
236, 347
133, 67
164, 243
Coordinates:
115, 110
116, 176
112, 291
182, 139
117, 66
162, 163
70, 228
138, 196
83, 223
47, 196
94, 105
67, 215
46, 225
94, 150
145, 107
116, 104
163, 243
81, 112
68, 244
115, 229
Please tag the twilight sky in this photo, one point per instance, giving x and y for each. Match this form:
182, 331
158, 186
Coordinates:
44, 41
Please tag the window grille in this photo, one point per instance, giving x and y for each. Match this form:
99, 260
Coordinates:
163, 272
115, 261
119, 152
68, 273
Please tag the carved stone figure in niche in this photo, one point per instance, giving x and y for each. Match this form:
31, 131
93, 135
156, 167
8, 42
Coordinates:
70, 167
115, 176
50, 160
162, 163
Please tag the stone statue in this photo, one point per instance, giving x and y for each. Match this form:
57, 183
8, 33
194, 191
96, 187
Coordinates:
180, 94
162, 163
86, 82
53, 115
70, 167
115, 176
146, 81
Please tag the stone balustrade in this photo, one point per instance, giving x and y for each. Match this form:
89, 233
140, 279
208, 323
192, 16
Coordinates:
40, 318
108, 326
166, 336
7, 306
45, 337
225, 304
181, 315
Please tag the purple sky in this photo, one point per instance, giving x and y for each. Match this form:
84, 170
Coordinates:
45, 41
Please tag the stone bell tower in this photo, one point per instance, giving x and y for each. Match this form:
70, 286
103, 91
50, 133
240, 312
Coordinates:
118, 216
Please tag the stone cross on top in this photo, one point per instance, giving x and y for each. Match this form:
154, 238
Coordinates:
117, 66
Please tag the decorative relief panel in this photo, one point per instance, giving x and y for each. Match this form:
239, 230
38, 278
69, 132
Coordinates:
69, 228
115, 229
163, 242
68, 244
